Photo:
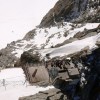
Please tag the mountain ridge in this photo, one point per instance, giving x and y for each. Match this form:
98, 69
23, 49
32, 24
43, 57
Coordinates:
65, 10
59, 34
72, 34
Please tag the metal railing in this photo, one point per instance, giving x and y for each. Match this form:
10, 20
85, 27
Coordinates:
13, 83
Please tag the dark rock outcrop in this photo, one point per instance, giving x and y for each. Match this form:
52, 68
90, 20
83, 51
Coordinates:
88, 63
89, 16
64, 10
29, 35
87, 33
52, 94
61, 9
72, 10
85, 88
7, 59
28, 58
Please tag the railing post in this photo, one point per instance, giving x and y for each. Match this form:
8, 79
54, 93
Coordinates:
4, 83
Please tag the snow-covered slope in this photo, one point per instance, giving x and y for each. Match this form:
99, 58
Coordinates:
56, 37
50, 37
62, 39
55, 31
72, 47
13, 85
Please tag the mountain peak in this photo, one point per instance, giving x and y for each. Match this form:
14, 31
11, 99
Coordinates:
67, 10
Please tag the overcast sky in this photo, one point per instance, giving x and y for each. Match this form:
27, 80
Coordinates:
17, 17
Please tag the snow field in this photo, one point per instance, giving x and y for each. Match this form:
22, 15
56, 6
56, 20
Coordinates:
15, 86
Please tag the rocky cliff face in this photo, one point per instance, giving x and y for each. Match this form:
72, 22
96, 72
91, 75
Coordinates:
62, 33
67, 10
83, 87
61, 9
64, 39
7, 59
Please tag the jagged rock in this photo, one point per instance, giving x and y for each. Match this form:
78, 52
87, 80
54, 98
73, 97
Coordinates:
77, 11
89, 69
7, 59
61, 9
87, 33
98, 42
64, 10
28, 58
29, 35
89, 17
70, 40
52, 94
